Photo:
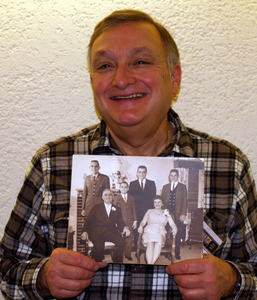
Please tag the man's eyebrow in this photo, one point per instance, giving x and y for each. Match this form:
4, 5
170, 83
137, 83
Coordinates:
132, 51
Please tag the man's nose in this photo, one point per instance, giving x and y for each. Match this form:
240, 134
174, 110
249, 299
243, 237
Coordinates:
123, 77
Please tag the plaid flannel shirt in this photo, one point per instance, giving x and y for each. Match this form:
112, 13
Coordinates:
39, 220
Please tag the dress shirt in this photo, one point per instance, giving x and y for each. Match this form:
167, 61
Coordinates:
39, 221
173, 185
125, 197
108, 208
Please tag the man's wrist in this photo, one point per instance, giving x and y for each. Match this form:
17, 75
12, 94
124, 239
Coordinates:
42, 287
237, 285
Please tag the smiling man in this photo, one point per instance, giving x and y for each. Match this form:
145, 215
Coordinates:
135, 73
105, 224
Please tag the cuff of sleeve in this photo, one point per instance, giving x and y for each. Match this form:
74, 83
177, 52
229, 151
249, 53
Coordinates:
245, 288
32, 275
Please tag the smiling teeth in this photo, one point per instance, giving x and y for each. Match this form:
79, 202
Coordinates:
130, 97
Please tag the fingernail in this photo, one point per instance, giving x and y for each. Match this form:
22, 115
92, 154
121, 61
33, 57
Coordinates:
96, 267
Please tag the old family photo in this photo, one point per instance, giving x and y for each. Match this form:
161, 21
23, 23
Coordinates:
146, 210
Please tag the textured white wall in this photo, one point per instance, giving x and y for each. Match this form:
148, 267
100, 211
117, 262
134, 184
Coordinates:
44, 85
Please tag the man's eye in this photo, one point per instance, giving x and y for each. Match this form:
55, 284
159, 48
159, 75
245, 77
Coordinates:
142, 62
104, 66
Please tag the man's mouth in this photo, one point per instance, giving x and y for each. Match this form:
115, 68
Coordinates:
134, 96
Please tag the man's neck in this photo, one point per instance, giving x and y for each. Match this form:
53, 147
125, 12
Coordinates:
139, 142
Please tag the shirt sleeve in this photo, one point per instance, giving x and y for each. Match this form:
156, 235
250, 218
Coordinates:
24, 247
243, 248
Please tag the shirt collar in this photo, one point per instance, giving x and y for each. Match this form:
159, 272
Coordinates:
181, 144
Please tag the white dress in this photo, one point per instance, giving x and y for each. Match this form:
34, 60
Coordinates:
155, 230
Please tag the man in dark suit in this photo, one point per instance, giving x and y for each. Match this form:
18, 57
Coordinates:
93, 188
105, 223
143, 190
175, 200
128, 209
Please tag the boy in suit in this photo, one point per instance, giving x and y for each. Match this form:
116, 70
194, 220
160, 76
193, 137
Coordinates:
128, 209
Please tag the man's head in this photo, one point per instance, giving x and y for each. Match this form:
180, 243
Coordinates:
173, 176
141, 172
107, 196
129, 15
124, 187
94, 167
134, 73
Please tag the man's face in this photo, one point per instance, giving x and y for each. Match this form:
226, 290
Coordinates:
124, 188
94, 166
141, 173
130, 77
173, 177
107, 196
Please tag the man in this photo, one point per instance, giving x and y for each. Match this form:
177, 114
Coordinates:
175, 200
135, 73
105, 224
143, 191
128, 209
93, 188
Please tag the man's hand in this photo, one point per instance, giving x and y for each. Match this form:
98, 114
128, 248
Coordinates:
126, 232
134, 225
84, 236
140, 229
182, 218
206, 278
66, 274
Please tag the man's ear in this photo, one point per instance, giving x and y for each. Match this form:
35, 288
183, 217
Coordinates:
176, 77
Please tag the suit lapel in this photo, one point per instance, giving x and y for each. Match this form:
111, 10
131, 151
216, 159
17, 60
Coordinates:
104, 212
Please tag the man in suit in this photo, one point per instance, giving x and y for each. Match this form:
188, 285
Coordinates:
93, 188
175, 200
105, 223
143, 190
128, 209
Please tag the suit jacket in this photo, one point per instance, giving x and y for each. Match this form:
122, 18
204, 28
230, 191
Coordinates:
98, 221
180, 200
92, 192
143, 197
128, 209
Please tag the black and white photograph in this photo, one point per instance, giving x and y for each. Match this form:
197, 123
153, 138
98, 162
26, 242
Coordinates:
138, 210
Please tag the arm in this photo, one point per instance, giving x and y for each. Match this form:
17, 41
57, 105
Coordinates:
238, 256
84, 197
143, 223
107, 182
184, 204
134, 226
38, 224
172, 225
20, 252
